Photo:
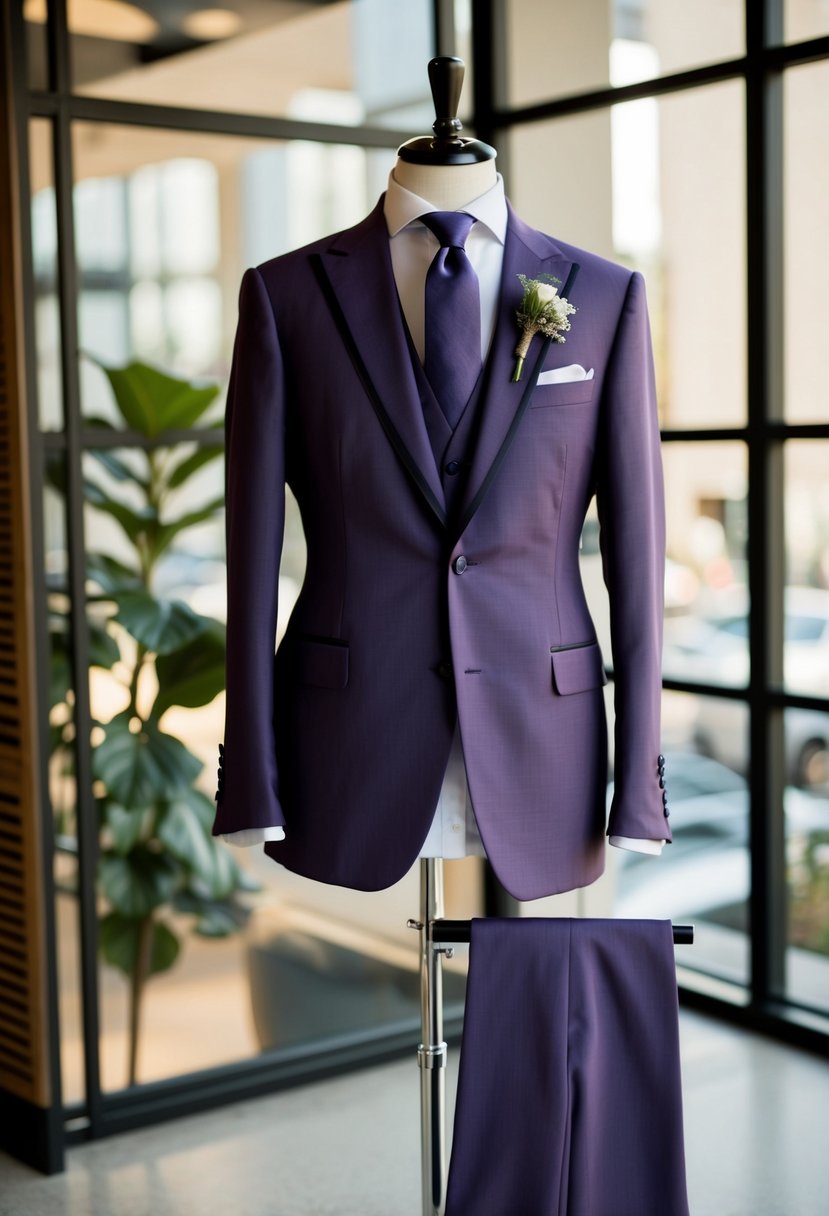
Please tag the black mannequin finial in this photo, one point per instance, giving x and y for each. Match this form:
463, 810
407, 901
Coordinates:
446, 147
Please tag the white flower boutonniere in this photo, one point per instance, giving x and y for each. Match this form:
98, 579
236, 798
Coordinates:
543, 311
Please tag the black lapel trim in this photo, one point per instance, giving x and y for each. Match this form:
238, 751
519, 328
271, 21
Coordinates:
391, 432
519, 414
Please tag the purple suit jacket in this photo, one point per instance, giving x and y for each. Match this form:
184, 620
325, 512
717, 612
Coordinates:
344, 736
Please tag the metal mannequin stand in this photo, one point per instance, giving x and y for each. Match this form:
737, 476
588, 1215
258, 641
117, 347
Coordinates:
435, 932
431, 1054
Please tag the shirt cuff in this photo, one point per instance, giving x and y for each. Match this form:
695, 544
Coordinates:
654, 847
251, 836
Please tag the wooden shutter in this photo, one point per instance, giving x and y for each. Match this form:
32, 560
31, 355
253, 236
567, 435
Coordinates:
24, 1059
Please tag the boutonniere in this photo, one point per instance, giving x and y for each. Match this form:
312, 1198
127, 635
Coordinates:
542, 311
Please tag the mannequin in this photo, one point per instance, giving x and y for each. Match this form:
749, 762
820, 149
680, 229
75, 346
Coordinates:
448, 173
446, 187
340, 748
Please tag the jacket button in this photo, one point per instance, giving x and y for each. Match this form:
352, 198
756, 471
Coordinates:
459, 564
453, 467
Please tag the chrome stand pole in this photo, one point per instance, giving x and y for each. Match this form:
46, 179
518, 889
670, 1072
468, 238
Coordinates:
431, 1054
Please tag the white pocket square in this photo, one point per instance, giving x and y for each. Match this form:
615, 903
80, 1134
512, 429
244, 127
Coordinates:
564, 375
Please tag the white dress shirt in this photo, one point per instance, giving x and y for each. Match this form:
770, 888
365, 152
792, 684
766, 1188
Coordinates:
454, 831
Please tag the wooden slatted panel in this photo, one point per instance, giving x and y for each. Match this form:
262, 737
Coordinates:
23, 1040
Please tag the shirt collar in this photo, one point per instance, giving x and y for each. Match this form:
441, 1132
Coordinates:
401, 207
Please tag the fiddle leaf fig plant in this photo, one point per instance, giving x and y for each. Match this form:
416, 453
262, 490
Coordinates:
157, 855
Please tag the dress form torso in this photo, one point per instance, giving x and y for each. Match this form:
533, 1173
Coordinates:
453, 832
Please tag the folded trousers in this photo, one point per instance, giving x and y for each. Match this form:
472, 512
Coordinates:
569, 1096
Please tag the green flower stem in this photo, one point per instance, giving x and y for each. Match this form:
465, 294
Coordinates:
140, 655
138, 978
519, 367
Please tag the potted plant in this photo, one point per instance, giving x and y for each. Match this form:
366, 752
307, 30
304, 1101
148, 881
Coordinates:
157, 855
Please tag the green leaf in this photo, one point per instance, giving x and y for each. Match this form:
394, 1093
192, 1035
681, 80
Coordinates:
186, 830
55, 470
166, 532
116, 467
110, 574
194, 674
139, 883
103, 649
151, 401
103, 652
192, 463
161, 625
118, 941
225, 875
125, 826
134, 522
144, 767
182, 832
55, 735
119, 935
164, 949
213, 919
219, 921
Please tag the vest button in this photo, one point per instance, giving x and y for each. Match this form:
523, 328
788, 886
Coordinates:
453, 467
445, 670
459, 564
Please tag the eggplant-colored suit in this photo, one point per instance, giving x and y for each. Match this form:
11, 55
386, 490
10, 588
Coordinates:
434, 593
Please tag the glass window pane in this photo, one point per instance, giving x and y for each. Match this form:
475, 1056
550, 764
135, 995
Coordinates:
807, 857
703, 876
555, 48
706, 599
806, 19
806, 187
353, 62
167, 222
37, 54
63, 788
806, 636
46, 328
659, 186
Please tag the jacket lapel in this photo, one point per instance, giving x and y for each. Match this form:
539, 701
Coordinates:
526, 251
356, 275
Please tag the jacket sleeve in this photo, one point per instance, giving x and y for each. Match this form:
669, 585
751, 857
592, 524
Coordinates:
248, 792
631, 506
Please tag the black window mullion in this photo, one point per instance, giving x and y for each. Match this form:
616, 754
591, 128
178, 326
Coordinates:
79, 639
766, 556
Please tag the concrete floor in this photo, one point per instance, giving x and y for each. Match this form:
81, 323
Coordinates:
755, 1115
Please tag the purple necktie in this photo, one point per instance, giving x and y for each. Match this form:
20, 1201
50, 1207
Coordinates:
453, 315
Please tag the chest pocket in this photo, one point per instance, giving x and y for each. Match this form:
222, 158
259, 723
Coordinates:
573, 392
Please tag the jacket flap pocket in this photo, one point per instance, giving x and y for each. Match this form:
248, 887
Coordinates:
578, 668
323, 664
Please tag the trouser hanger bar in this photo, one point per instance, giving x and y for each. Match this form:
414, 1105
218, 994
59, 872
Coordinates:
459, 931
436, 938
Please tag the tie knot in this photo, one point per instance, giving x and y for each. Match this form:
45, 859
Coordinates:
450, 227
